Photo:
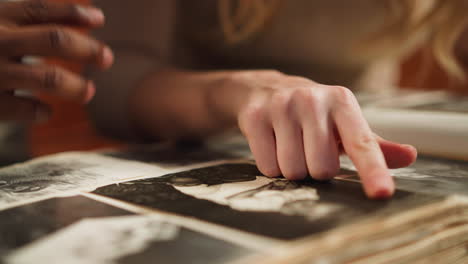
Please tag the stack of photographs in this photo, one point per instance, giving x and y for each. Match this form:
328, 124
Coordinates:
166, 204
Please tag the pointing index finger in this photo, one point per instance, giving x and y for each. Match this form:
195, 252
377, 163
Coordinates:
361, 146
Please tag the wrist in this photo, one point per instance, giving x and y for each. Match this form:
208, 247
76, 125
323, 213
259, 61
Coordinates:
227, 95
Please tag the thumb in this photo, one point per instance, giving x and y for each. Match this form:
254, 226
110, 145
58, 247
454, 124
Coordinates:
397, 155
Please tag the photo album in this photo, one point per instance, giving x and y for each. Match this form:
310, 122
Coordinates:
209, 204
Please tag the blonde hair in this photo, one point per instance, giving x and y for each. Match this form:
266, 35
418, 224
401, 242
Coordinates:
439, 23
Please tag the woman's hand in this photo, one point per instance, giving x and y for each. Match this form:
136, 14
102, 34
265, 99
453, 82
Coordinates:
40, 28
296, 127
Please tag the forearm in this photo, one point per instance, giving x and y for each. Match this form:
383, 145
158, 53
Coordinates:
174, 104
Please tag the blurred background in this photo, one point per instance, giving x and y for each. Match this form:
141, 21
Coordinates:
69, 128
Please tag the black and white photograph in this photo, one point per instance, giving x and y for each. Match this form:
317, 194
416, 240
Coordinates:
65, 174
23, 225
434, 176
428, 175
128, 239
234, 131
238, 196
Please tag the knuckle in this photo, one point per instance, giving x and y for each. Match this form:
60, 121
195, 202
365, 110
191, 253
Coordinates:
29, 75
364, 143
58, 38
281, 101
251, 116
74, 10
255, 113
51, 79
35, 10
301, 93
306, 97
343, 96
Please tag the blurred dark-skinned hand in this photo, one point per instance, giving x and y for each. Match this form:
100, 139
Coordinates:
44, 29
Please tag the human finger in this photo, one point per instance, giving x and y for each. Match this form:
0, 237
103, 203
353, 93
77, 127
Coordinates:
45, 12
288, 135
321, 150
320, 147
55, 41
397, 155
361, 146
46, 78
257, 128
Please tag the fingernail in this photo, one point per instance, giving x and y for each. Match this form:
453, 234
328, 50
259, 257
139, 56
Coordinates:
42, 114
94, 15
382, 194
410, 147
383, 189
90, 92
107, 57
